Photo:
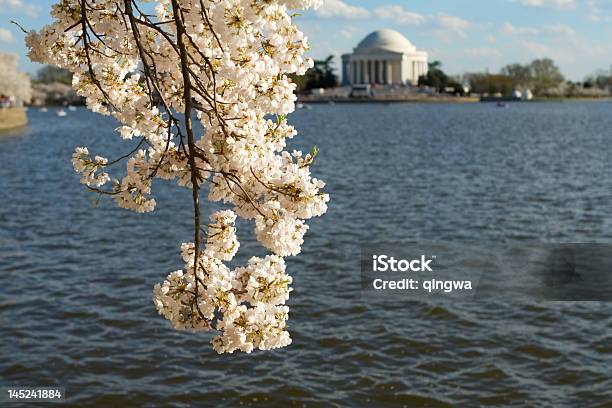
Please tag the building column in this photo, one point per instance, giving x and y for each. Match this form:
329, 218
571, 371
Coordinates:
362, 69
373, 78
353, 72
383, 73
375, 71
389, 66
360, 72
371, 72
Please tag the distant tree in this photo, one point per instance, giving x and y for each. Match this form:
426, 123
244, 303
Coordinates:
540, 76
321, 75
490, 83
325, 68
438, 79
601, 79
50, 74
546, 75
12, 82
506, 89
521, 75
604, 82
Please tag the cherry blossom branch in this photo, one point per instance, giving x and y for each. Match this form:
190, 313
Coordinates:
218, 60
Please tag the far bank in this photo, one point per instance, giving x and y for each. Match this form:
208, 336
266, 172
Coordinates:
420, 98
11, 118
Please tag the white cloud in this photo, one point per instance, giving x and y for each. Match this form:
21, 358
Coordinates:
18, 6
538, 50
348, 31
483, 52
455, 25
511, 29
399, 14
559, 29
557, 4
6, 35
447, 26
338, 8
595, 12
553, 29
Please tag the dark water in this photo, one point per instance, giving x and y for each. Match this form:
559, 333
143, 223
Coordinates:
75, 281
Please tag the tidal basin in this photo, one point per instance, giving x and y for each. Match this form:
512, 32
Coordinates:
76, 309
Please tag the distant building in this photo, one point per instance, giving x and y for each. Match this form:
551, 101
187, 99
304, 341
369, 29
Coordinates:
384, 57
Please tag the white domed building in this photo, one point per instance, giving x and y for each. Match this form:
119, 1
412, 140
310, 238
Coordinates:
384, 57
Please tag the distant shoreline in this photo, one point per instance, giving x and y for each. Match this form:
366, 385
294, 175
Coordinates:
429, 99
11, 118
439, 99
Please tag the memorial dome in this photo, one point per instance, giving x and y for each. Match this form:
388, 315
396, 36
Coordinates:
385, 41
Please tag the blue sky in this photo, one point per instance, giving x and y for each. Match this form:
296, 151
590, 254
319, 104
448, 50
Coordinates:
466, 35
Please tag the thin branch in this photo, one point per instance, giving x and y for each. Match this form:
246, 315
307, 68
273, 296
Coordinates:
180, 33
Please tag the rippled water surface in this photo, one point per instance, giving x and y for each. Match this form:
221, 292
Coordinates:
75, 280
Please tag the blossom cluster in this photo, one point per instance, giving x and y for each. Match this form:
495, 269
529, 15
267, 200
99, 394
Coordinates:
247, 304
89, 167
127, 64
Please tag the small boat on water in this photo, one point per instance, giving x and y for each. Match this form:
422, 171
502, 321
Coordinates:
501, 104
72, 108
43, 110
61, 113
300, 106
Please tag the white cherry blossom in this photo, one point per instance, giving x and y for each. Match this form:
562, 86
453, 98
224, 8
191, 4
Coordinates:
156, 66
